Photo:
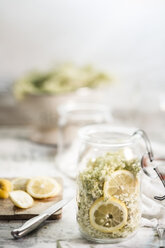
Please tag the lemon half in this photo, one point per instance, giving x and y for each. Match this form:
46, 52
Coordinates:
19, 183
108, 216
5, 188
21, 199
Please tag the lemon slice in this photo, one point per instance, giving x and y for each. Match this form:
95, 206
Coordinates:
19, 183
120, 182
108, 216
43, 187
21, 199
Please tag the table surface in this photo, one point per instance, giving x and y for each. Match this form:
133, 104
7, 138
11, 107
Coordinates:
21, 157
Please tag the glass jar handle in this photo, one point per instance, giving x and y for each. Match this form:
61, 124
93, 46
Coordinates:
150, 154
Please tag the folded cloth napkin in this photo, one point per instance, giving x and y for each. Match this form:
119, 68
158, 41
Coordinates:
153, 211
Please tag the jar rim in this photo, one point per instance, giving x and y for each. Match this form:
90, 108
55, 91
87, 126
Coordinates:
120, 136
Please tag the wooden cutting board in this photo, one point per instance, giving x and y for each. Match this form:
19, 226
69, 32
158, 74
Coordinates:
10, 212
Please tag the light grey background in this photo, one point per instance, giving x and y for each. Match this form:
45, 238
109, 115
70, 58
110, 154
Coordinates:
125, 37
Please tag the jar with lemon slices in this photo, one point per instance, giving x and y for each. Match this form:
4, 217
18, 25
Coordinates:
108, 195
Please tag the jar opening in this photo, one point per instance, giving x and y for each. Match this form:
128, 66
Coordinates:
106, 135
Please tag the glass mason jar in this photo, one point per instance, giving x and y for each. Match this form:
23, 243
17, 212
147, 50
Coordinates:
108, 195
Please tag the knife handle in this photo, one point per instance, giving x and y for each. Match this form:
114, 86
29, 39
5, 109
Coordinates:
29, 226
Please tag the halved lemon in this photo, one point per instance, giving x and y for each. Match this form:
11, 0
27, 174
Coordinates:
5, 188
120, 182
43, 187
19, 183
108, 216
21, 199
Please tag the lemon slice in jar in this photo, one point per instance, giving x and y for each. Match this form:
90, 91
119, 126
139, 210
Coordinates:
120, 182
43, 187
108, 216
21, 199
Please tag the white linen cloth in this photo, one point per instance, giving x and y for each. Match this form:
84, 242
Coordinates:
153, 211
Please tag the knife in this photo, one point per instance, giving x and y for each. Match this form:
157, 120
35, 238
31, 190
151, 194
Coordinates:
34, 222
